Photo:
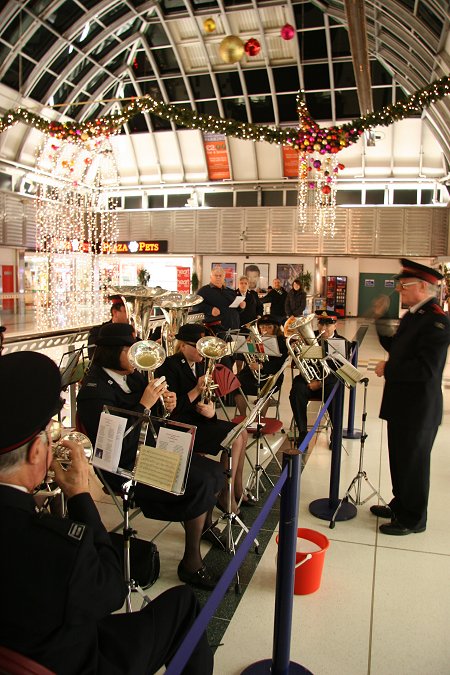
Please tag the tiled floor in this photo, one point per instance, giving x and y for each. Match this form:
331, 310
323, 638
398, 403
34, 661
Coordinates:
384, 603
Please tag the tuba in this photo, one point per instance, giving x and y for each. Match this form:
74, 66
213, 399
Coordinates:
211, 348
301, 342
139, 302
148, 356
175, 307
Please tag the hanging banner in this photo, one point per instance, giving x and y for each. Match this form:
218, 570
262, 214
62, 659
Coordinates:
183, 279
216, 156
290, 162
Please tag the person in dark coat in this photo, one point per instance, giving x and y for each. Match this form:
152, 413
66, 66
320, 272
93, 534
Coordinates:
61, 579
268, 326
112, 381
2, 334
118, 315
253, 306
217, 299
295, 300
184, 373
303, 391
412, 396
277, 298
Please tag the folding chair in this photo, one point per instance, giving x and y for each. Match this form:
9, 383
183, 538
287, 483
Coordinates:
13, 663
227, 383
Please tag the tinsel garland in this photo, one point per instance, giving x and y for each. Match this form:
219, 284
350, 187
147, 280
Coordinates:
308, 137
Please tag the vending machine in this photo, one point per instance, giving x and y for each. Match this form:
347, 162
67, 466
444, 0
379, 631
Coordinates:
337, 294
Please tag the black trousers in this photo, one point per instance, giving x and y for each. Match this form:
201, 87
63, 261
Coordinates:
142, 642
299, 396
409, 462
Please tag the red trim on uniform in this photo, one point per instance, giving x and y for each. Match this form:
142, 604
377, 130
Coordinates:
10, 448
421, 274
438, 309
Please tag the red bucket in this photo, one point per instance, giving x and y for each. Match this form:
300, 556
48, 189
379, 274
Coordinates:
309, 566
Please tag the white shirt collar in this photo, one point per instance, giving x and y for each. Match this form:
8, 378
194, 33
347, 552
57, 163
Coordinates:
119, 379
413, 309
21, 488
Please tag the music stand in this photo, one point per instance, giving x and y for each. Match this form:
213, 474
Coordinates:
139, 474
67, 366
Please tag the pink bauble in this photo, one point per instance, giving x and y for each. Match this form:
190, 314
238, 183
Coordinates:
287, 32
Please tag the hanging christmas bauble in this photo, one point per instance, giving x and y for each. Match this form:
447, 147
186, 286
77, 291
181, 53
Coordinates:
287, 32
231, 49
252, 47
209, 25
326, 189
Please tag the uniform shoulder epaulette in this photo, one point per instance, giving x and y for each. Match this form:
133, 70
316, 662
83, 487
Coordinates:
68, 529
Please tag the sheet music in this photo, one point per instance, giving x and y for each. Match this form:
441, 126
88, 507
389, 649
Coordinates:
157, 467
108, 444
338, 345
236, 302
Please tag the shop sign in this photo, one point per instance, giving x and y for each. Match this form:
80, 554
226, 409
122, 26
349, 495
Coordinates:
136, 247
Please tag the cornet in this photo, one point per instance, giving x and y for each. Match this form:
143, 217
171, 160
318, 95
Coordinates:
211, 348
148, 356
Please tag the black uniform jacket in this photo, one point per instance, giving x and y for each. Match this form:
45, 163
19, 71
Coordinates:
413, 372
58, 579
205, 477
253, 307
269, 367
181, 379
221, 298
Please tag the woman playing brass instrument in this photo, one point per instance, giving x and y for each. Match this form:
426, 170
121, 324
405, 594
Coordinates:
112, 381
184, 375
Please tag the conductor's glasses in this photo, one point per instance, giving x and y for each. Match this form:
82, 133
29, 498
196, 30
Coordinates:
405, 284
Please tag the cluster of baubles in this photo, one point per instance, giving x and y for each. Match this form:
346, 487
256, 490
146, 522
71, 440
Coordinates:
232, 48
319, 173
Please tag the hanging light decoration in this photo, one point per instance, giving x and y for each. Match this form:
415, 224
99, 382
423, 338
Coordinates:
318, 169
75, 226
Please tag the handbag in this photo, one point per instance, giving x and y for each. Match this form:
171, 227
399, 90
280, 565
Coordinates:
144, 559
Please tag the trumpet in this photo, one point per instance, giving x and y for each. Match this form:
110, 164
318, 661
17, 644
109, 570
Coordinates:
299, 335
211, 348
62, 454
148, 356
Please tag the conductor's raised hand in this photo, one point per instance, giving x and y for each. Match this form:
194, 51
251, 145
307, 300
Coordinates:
75, 479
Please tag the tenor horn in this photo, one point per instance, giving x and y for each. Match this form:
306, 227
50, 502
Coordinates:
147, 355
211, 348
299, 340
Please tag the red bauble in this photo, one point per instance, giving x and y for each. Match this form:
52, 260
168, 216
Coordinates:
326, 189
252, 47
287, 32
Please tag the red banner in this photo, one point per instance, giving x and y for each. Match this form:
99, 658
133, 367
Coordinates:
183, 279
290, 162
216, 156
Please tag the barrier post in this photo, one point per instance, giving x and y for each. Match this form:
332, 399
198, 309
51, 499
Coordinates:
350, 431
280, 664
324, 508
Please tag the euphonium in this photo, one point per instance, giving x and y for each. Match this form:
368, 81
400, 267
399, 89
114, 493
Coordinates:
148, 355
139, 302
299, 335
211, 348
175, 307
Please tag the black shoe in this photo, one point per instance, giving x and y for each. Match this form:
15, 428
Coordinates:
201, 578
382, 511
250, 501
214, 536
398, 530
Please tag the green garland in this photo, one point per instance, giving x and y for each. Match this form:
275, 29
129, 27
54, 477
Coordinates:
308, 136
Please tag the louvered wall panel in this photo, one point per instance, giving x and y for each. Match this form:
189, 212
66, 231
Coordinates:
361, 231
282, 230
418, 227
184, 232
208, 231
389, 231
123, 226
338, 244
231, 227
161, 227
140, 225
2, 218
13, 221
439, 237
257, 230
307, 240
30, 223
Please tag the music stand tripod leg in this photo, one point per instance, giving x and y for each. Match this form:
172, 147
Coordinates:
128, 533
357, 480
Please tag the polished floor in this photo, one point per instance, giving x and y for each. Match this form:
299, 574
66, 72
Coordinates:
383, 607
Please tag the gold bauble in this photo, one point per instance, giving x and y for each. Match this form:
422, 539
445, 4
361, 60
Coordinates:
231, 49
209, 25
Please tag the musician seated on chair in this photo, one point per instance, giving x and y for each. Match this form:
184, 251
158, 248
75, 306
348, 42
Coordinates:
184, 372
118, 315
112, 381
254, 375
61, 579
315, 389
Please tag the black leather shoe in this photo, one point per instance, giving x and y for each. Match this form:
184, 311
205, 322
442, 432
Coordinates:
201, 578
249, 501
398, 530
382, 511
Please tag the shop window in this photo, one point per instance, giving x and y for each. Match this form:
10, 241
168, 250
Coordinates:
348, 197
375, 197
156, 201
218, 199
247, 198
177, 201
291, 198
132, 202
271, 198
405, 197
426, 196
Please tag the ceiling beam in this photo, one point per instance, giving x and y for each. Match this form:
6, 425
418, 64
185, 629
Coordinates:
357, 32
